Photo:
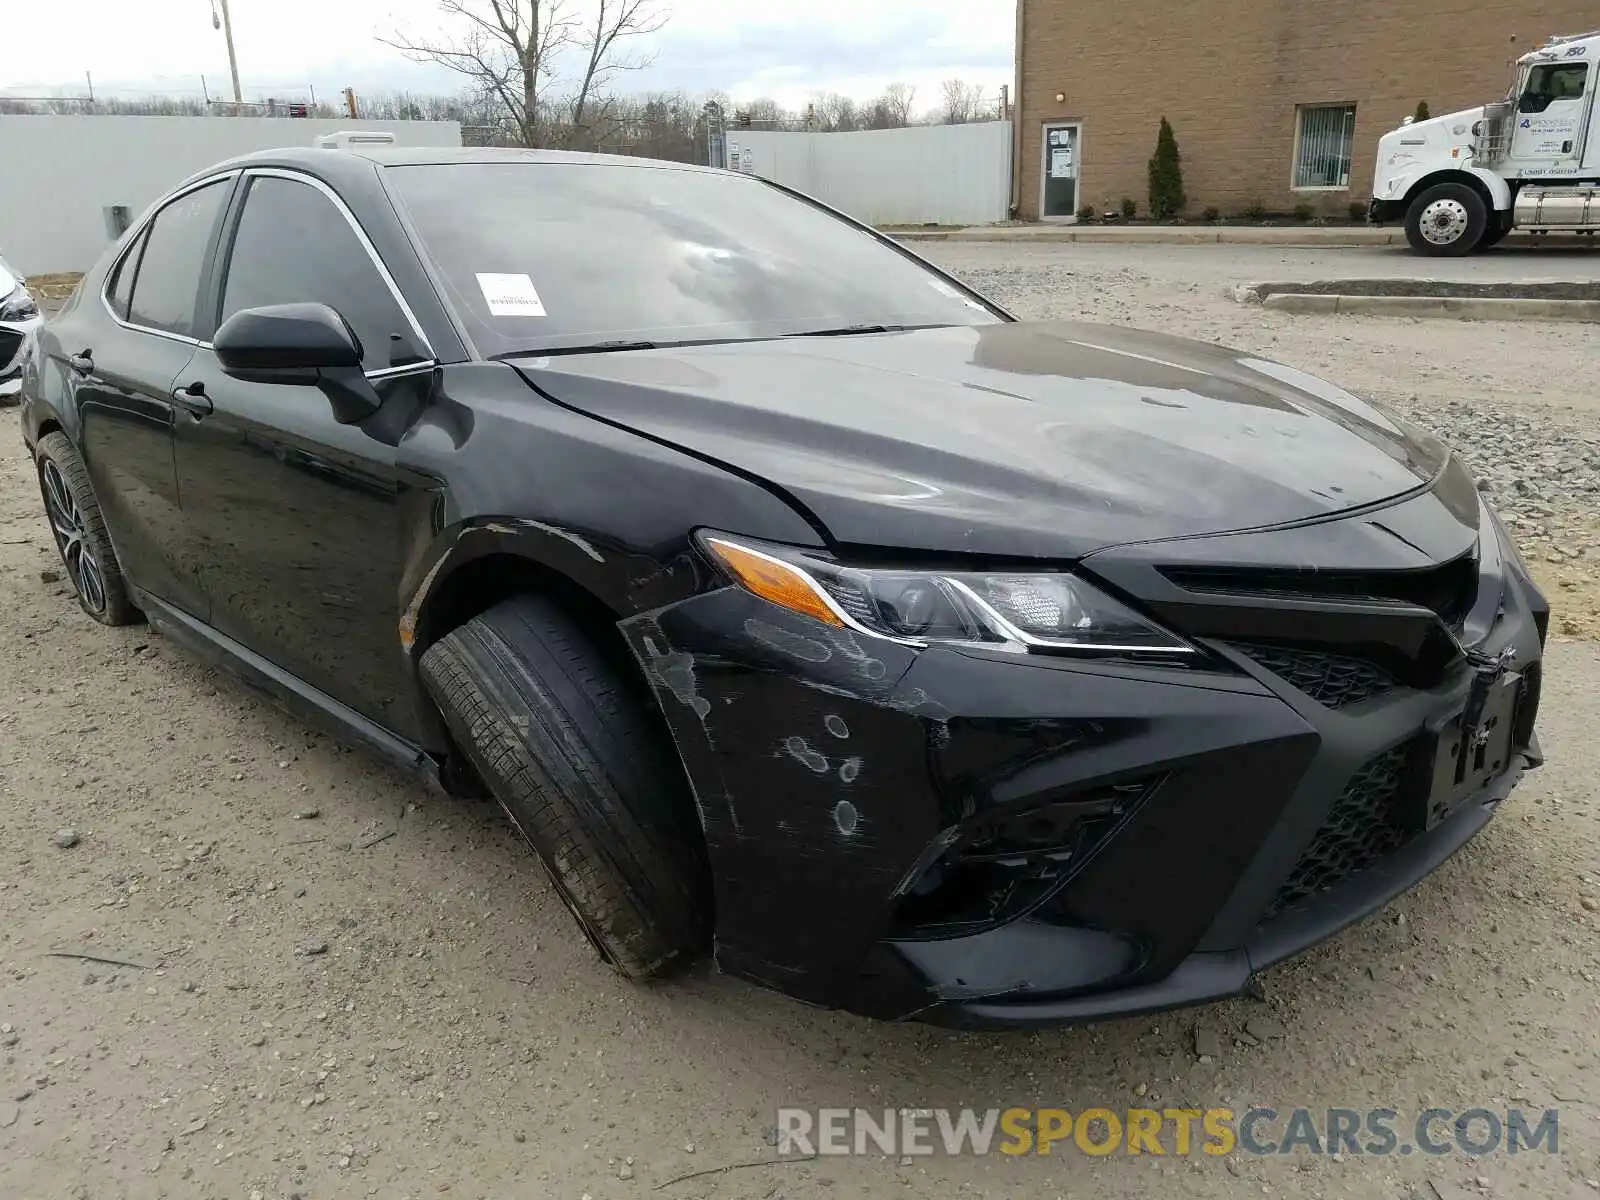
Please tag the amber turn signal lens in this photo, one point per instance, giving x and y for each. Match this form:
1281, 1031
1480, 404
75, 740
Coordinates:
773, 580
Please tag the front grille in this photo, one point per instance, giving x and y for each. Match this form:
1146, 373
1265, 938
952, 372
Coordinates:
1332, 680
10, 341
1447, 589
1363, 826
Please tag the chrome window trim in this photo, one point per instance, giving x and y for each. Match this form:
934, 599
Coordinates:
133, 238
402, 369
361, 236
344, 211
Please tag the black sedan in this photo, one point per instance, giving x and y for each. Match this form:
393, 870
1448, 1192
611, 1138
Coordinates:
791, 597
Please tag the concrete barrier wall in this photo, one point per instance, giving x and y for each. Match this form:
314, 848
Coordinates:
58, 174
939, 174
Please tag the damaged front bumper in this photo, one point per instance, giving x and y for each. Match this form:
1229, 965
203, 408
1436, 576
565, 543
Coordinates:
989, 839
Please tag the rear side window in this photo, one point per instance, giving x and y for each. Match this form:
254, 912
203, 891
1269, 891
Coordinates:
168, 279
294, 245
121, 286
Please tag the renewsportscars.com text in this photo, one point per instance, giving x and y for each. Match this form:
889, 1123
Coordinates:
1179, 1132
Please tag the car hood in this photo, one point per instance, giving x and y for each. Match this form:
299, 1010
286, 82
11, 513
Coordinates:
1047, 440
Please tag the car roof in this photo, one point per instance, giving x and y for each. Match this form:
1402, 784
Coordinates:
317, 159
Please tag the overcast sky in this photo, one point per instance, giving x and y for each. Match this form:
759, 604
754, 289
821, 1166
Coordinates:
786, 51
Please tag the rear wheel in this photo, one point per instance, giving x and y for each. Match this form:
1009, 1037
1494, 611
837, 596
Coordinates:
585, 774
1449, 219
80, 532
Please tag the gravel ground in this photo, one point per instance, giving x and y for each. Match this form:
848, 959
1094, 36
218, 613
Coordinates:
332, 983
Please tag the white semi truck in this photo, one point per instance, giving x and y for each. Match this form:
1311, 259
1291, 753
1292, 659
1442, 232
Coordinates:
1530, 162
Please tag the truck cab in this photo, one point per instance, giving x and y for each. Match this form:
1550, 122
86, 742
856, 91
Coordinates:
1531, 162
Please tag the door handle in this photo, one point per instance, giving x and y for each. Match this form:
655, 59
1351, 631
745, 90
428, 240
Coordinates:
83, 363
192, 398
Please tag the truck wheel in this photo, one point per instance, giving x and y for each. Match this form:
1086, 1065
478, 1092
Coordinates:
1500, 224
80, 532
586, 776
1447, 219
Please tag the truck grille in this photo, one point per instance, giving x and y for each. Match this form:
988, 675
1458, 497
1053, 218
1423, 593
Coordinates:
1332, 680
1364, 825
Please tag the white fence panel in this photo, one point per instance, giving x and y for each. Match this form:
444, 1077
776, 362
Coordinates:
940, 174
58, 174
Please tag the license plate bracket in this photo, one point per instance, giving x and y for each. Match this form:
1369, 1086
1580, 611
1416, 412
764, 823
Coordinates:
1470, 752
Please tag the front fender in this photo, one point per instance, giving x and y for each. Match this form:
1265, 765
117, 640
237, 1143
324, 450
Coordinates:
503, 490
1402, 183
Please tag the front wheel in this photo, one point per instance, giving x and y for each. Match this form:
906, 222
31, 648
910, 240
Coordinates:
1447, 220
578, 764
1500, 224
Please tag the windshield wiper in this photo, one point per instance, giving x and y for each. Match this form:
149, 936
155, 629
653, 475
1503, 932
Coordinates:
852, 330
586, 348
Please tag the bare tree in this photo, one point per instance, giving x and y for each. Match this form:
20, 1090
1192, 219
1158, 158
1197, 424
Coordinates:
897, 101
513, 53
959, 102
614, 21
835, 113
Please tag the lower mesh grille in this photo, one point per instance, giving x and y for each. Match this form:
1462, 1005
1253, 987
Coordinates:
10, 341
1364, 824
1332, 680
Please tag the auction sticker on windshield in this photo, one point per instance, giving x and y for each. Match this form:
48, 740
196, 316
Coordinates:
510, 295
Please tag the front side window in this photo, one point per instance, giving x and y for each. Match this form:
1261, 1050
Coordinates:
293, 245
1551, 82
1324, 134
168, 279
544, 256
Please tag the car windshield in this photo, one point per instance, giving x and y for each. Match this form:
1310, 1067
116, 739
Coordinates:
549, 256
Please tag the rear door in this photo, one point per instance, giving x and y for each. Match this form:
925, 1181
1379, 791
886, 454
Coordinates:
122, 372
296, 514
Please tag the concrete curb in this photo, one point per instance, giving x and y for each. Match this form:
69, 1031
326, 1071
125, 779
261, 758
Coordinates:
1311, 238
1459, 308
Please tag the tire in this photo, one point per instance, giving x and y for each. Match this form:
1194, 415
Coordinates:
80, 533
1447, 220
579, 765
1500, 224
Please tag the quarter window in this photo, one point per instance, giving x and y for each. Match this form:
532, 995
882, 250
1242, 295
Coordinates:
293, 245
122, 280
1323, 137
168, 279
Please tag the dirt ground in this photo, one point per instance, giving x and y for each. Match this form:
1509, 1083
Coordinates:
336, 984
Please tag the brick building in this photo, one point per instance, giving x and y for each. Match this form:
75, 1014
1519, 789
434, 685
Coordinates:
1274, 103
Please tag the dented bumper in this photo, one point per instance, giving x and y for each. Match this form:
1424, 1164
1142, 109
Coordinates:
988, 839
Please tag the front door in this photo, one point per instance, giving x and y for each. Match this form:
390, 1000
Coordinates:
1550, 115
1060, 187
296, 515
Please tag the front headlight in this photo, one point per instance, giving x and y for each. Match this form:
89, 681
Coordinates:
1054, 611
17, 305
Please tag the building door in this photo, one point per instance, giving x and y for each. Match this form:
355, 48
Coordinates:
1059, 189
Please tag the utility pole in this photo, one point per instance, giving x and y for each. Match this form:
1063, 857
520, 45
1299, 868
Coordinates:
233, 62
350, 102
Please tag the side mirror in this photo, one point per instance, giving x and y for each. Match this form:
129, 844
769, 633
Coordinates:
288, 338
299, 343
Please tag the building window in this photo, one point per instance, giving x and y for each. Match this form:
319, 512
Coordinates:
1322, 142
